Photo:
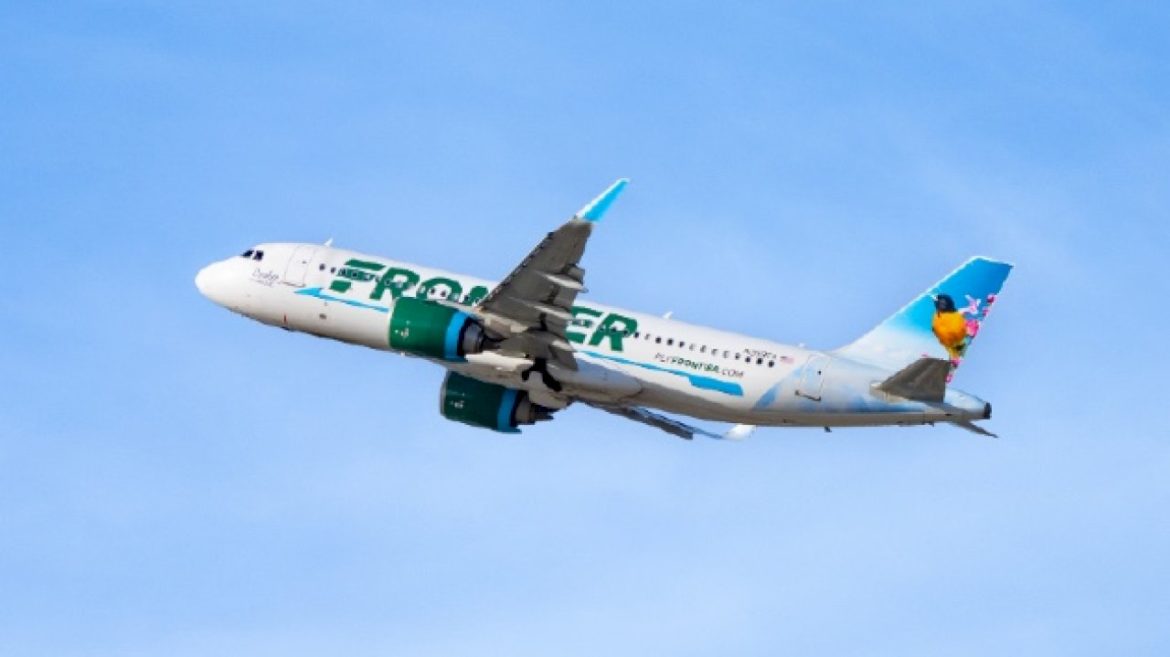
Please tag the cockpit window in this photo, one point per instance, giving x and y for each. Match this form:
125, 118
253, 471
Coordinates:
248, 253
259, 255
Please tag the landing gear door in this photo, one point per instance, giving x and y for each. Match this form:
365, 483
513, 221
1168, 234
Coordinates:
298, 265
812, 379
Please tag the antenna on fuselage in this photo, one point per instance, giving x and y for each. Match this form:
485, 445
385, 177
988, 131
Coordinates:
329, 242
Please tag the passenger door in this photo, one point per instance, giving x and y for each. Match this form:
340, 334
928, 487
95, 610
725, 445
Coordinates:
298, 265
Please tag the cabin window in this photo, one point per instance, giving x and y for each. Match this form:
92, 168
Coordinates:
692, 346
703, 349
759, 361
658, 340
771, 363
636, 334
726, 353
670, 342
681, 344
321, 267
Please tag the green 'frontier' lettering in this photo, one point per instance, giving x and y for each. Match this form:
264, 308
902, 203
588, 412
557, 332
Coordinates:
582, 318
454, 289
397, 280
354, 270
476, 295
588, 325
615, 328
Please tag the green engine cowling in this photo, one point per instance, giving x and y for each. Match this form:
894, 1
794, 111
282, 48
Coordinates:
425, 328
487, 405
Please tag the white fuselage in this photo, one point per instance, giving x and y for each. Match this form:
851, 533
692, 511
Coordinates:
662, 363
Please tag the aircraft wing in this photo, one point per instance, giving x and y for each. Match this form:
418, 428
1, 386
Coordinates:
672, 426
530, 308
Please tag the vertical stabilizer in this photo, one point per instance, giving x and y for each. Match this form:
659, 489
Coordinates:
942, 322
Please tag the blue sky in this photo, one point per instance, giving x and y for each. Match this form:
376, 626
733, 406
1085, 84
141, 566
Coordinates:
179, 481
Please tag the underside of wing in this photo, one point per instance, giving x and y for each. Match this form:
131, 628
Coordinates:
532, 307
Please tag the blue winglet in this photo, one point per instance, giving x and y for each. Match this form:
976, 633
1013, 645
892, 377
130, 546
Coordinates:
598, 206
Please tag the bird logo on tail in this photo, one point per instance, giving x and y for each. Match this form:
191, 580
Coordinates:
949, 326
933, 324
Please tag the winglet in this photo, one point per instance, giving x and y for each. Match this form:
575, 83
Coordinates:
597, 207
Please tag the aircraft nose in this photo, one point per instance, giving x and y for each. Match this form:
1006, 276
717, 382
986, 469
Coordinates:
203, 280
212, 282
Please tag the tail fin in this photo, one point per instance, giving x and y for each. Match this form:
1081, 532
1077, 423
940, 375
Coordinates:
942, 322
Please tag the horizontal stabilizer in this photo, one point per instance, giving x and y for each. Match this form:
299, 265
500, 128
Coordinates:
923, 380
974, 428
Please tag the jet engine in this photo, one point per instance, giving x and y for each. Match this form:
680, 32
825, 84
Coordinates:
425, 328
488, 405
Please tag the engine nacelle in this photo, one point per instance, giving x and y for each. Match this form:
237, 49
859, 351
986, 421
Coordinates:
433, 330
487, 405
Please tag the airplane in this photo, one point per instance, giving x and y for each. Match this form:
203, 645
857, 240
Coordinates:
520, 350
